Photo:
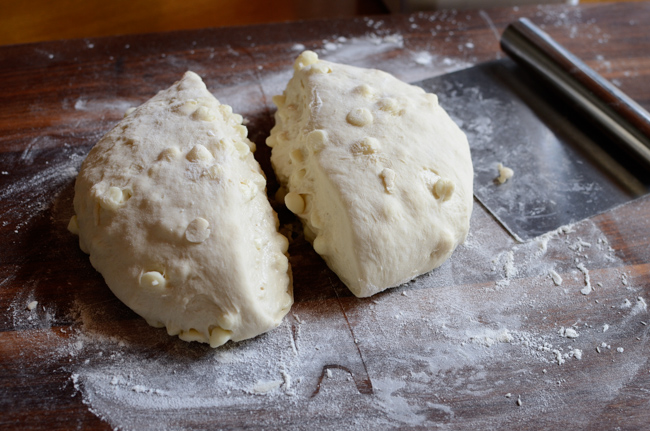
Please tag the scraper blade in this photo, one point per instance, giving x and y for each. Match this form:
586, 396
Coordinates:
565, 167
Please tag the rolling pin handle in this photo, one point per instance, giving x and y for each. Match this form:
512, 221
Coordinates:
595, 97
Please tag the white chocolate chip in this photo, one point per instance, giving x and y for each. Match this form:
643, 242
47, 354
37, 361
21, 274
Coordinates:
295, 202
271, 141
203, 113
32, 305
113, 198
219, 336
259, 243
215, 172
320, 68
153, 171
316, 140
153, 279
320, 245
227, 321
280, 194
315, 220
189, 81
249, 190
238, 119
305, 59
433, 99
359, 117
242, 148
391, 210
365, 90
443, 189
279, 100
281, 263
169, 154
226, 110
388, 177
73, 225
199, 154
187, 108
242, 130
198, 230
284, 243
390, 105
225, 144
192, 335
258, 179
367, 146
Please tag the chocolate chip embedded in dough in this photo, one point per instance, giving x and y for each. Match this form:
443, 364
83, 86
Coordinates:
198, 230
359, 117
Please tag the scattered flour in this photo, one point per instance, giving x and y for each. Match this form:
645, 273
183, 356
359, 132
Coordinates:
266, 387
119, 106
316, 364
587, 289
423, 58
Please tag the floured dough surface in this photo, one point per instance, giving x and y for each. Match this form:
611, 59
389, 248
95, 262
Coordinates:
171, 207
379, 174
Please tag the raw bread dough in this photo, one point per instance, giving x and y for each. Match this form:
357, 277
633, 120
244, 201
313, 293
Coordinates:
379, 174
505, 173
171, 206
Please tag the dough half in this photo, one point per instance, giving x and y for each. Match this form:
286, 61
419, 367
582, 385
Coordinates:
379, 174
171, 206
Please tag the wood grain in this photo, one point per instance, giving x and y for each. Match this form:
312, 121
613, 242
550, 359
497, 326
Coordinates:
42, 20
58, 98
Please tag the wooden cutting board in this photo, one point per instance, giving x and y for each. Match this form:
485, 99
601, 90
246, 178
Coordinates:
487, 341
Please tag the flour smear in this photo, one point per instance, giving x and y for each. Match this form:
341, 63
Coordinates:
447, 333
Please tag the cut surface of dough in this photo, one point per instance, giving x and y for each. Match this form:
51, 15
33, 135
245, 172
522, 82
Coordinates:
378, 173
172, 209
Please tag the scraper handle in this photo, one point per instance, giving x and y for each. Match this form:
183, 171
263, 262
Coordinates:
598, 99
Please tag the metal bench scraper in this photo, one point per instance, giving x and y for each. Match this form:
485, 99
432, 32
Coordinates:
577, 144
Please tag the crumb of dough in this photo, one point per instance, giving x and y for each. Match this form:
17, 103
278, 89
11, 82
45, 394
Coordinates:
557, 279
505, 173
568, 332
32, 305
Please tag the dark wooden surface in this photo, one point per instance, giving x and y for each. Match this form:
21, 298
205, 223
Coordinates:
57, 99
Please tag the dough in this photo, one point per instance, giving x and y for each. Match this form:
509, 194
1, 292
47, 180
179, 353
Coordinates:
171, 206
504, 173
378, 173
